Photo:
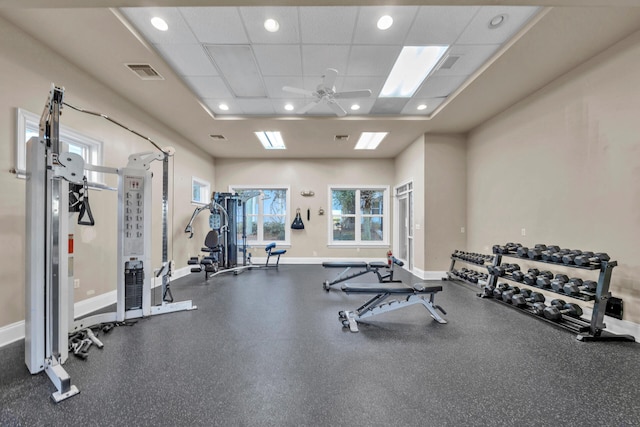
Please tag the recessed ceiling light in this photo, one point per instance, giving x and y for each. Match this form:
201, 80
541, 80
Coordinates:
385, 22
271, 25
271, 140
288, 107
497, 21
159, 23
412, 66
370, 140
223, 107
355, 107
422, 107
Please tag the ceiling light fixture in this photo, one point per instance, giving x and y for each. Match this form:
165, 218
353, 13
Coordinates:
422, 107
271, 140
288, 107
355, 107
159, 23
412, 66
223, 107
370, 140
385, 22
497, 21
271, 25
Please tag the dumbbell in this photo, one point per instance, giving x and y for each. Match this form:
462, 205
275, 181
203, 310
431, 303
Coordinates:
536, 251
543, 280
548, 253
597, 259
569, 257
576, 285
522, 252
558, 282
530, 277
509, 248
533, 300
501, 270
499, 289
509, 293
518, 276
558, 308
557, 256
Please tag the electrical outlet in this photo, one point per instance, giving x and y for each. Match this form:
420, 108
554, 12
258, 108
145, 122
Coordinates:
76, 283
91, 292
462, 229
524, 231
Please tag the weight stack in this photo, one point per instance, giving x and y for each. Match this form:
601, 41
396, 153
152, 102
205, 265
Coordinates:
133, 283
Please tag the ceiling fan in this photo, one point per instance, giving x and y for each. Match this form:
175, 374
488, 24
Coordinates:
326, 92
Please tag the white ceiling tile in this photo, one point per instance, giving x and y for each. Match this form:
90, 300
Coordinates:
287, 17
478, 31
178, 31
274, 86
389, 106
412, 106
439, 86
327, 25
217, 25
370, 60
278, 60
471, 57
365, 106
208, 87
439, 24
187, 59
278, 106
367, 31
317, 58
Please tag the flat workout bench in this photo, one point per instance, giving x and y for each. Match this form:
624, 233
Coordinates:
415, 295
365, 267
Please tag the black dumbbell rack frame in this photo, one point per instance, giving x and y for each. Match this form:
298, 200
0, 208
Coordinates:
587, 330
451, 276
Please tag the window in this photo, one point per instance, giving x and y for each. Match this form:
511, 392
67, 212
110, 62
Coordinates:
200, 191
267, 215
359, 216
72, 141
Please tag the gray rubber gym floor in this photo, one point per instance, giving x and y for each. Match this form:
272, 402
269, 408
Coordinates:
265, 348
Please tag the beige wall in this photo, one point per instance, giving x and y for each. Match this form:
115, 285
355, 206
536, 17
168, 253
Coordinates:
409, 166
445, 198
27, 69
315, 175
565, 165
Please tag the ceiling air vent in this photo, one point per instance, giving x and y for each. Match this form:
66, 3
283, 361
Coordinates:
218, 137
341, 138
449, 62
144, 71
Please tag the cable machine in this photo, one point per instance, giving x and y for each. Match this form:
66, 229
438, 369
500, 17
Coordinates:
56, 189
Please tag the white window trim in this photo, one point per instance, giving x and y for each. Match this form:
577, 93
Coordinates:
205, 191
287, 220
385, 218
26, 119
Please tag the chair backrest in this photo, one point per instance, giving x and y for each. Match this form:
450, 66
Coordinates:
211, 241
270, 246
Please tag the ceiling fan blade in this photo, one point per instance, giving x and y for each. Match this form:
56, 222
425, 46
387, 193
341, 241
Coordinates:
329, 78
353, 94
307, 107
298, 91
337, 109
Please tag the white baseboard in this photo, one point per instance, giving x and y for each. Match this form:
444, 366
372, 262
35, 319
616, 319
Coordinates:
312, 260
11, 333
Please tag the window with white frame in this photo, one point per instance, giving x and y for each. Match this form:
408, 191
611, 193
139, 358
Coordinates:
200, 191
267, 214
72, 141
359, 215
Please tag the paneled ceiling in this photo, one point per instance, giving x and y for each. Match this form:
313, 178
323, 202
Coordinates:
310, 40
102, 36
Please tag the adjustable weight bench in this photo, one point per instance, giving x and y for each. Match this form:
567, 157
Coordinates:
415, 295
371, 267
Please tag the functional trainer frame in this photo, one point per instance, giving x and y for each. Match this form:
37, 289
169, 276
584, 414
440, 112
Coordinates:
376, 305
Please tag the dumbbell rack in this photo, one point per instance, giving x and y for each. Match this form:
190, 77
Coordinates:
455, 259
587, 330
